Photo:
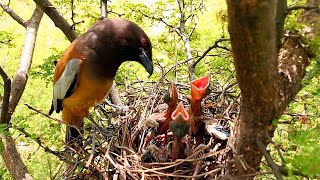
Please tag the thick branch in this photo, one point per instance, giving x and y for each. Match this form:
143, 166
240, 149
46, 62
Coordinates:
281, 15
58, 20
21, 77
10, 155
293, 60
13, 160
14, 16
6, 96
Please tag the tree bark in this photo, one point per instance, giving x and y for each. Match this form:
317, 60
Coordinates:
104, 8
267, 85
10, 154
311, 17
185, 38
21, 77
58, 20
14, 16
13, 161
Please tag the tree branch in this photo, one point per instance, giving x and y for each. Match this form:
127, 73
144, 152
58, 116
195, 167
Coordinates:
114, 95
13, 160
10, 154
11, 13
6, 96
58, 20
21, 77
38, 141
281, 15
292, 59
302, 7
215, 45
160, 20
48, 116
104, 8
272, 164
72, 14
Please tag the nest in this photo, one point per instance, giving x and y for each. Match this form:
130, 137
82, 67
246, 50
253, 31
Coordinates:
114, 144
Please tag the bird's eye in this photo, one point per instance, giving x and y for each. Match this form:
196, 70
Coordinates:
144, 42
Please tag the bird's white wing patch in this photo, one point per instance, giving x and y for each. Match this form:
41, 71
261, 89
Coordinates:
65, 81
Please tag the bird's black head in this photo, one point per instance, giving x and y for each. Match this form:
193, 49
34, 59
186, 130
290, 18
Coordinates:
116, 40
136, 44
145, 54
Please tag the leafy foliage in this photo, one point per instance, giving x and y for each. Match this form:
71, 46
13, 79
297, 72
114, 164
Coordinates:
6, 39
45, 70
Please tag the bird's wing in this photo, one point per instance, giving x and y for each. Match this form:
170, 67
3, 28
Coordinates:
65, 85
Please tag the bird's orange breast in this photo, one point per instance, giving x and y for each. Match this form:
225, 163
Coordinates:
87, 94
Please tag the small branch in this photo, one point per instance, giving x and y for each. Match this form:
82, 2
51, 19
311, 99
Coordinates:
192, 31
38, 141
161, 20
275, 167
46, 115
215, 45
302, 7
73, 26
119, 14
104, 9
58, 20
72, 15
11, 13
6, 96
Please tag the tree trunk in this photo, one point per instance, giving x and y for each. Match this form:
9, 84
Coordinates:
267, 86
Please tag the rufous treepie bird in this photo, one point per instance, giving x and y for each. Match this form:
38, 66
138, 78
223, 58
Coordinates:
199, 90
84, 75
180, 127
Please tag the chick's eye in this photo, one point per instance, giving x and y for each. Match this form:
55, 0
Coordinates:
144, 42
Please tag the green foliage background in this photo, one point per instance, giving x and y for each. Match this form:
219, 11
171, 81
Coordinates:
298, 129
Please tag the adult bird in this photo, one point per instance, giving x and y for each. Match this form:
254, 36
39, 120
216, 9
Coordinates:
84, 75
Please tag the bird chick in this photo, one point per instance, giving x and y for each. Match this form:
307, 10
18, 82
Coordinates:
179, 126
199, 90
170, 98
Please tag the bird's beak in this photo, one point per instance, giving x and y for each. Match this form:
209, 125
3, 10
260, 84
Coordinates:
146, 62
173, 92
180, 114
200, 87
